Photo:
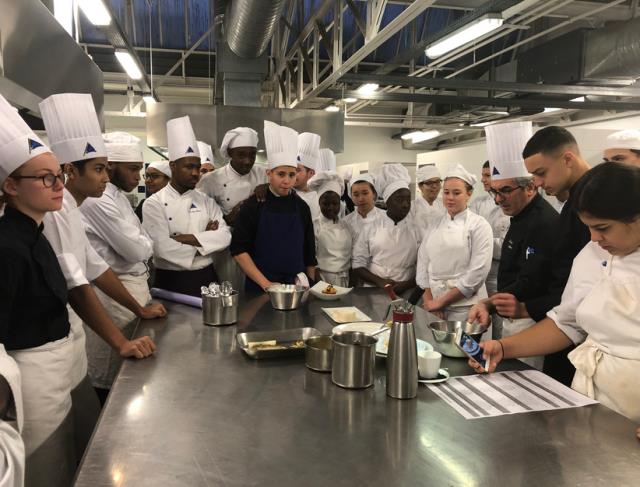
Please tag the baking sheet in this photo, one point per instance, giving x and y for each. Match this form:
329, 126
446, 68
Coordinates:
285, 337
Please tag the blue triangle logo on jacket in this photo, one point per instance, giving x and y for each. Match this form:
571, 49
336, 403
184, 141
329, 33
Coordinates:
208, 160
193, 206
495, 171
189, 150
89, 148
33, 144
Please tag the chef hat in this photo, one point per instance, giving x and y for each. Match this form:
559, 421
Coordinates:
282, 145
326, 181
122, 147
163, 166
309, 150
181, 139
505, 143
238, 137
206, 153
72, 126
460, 172
366, 177
392, 177
327, 160
625, 139
18, 143
424, 173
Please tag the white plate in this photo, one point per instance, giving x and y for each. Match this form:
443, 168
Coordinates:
334, 314
382, 347
368, 328
340, 291
443, 376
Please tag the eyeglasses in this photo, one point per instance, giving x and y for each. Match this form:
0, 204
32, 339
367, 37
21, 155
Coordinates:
48, 180
437, 182
154, 177
504, 192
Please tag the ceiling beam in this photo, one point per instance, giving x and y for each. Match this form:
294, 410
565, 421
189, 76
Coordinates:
467, 84
401, 20
486, 101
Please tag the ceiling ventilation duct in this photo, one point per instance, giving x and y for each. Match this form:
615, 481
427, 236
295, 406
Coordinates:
613, 53
249, 25
242, 62
609, 56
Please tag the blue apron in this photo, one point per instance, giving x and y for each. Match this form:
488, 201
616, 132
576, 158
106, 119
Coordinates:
279, 246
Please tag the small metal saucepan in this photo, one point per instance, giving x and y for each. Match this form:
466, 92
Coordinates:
318, 353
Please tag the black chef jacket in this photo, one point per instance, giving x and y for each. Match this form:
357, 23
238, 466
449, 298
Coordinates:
246, 225
33, 290
525, 262
571, 237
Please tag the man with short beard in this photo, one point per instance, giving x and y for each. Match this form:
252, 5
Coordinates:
117, 235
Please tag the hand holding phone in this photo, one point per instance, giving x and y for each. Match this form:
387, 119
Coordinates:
470, 347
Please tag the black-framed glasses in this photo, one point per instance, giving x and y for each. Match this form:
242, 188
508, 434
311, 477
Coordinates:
48, 180
504, 191
154, 177
431, 183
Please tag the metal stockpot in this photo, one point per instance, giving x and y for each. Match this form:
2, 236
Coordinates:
354, 360
220, 310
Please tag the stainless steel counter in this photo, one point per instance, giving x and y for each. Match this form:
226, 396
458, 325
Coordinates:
200, 413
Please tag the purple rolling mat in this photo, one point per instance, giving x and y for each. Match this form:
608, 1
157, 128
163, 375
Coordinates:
176, 297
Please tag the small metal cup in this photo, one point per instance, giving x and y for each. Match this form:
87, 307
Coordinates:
220, 310
319, 353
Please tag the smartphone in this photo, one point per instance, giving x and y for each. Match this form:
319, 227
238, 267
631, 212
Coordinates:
470, 347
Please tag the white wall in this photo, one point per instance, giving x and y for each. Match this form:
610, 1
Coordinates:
373, 145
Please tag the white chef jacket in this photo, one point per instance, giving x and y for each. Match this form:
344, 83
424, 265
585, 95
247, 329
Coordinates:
116, 233
621, 339
64, 230
311, 199
356, 222
229, 188
486, 207
12, 453
426, 215
333, 245
387, 249
168, 213
479, 238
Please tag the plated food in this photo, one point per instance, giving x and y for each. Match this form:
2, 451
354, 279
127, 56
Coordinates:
329, 290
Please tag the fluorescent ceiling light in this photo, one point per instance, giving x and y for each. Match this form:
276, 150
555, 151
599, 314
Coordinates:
148, 99
63, 11
350, 100
332, 108
464, 35
580, 99
551, 110
129, 64
95, 11
368, 88
420, 136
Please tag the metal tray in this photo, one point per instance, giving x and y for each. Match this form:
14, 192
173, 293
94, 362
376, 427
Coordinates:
280, 336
